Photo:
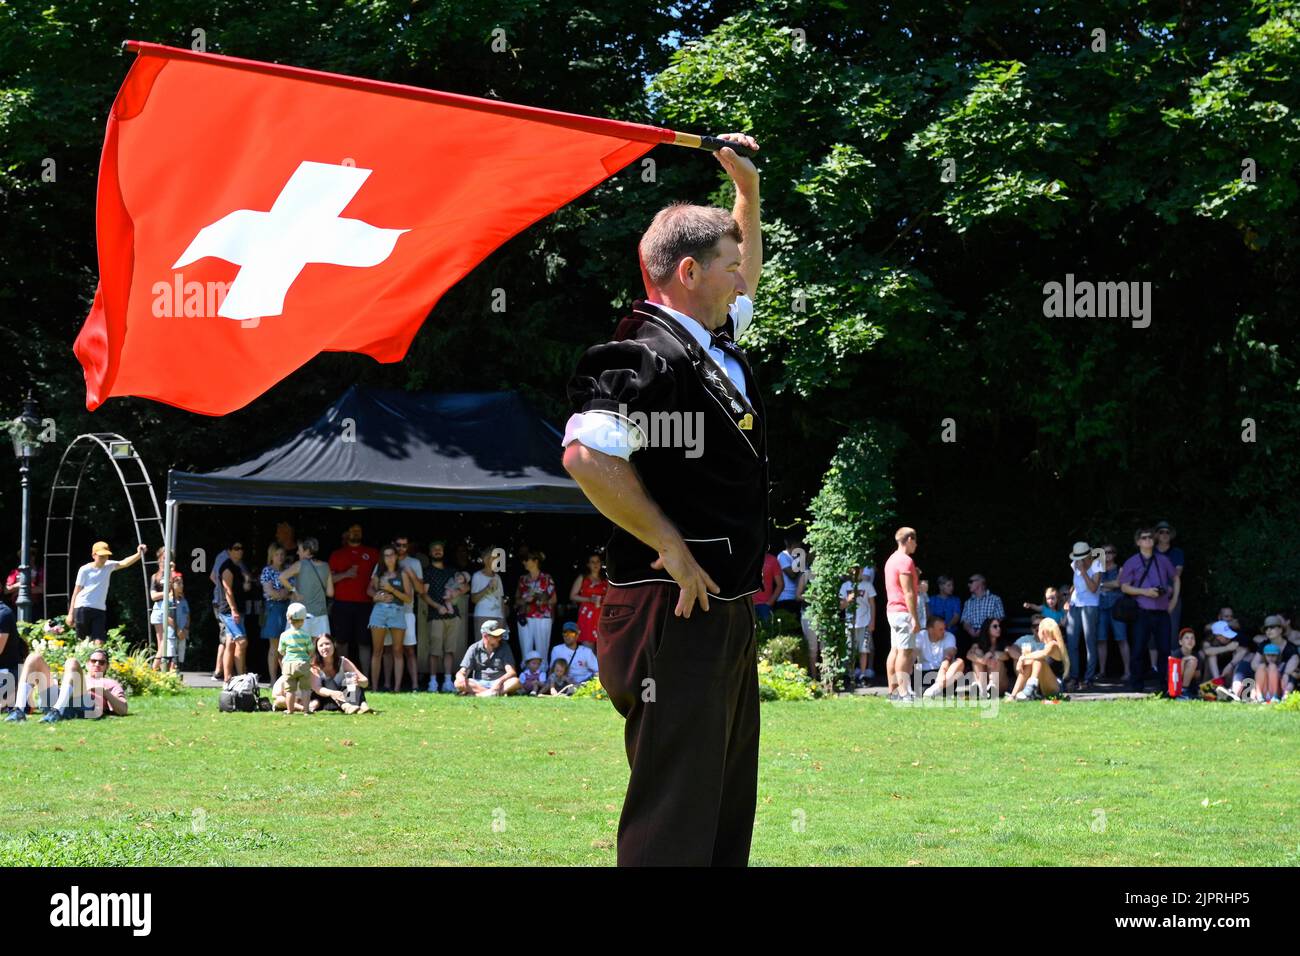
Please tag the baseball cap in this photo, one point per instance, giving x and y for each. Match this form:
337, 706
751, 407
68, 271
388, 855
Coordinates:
533, 656
1273, 620
297, 612
1186, 630
1222, 629
101, 547
569, 626
493, 627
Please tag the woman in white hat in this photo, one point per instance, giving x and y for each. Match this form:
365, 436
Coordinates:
1087, 565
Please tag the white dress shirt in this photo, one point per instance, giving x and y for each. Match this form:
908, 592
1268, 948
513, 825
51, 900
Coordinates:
608, 433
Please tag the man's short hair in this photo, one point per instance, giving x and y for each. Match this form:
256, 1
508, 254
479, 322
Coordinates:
682, 230
1143, 531
902, 534
944, 579
932, 621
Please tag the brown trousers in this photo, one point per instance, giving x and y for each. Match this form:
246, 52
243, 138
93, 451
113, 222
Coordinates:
688, 690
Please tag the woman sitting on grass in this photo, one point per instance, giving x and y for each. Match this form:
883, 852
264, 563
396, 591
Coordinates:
1039, 672
331, 676
987, 656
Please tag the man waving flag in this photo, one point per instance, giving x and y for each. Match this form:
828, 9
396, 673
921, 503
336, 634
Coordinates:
257, 215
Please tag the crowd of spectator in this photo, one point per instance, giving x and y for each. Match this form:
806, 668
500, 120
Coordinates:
1136, 604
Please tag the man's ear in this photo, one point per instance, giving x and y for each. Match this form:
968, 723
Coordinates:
688, 272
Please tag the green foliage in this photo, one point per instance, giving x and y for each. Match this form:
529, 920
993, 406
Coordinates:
784, 681
591, 690
849, 514
55, 642
781, 649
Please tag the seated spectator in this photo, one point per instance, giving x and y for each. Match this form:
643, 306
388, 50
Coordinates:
488, 669
987, 657
91, 696
1289, 660
1050, 608
1191, 669
1246, 673
1042, 666
532, 679
1268, 674
936, 653
560, 685
337, 683
13, 651
1220, 651
580, 662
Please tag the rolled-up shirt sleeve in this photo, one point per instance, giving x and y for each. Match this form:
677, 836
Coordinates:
614, 384
742, 314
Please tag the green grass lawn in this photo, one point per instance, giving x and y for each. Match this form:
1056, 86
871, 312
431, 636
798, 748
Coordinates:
434, 780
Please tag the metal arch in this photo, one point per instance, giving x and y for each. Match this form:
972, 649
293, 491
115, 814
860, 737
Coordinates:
84, 446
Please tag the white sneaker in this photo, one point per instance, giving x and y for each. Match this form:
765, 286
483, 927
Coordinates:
1030, 692
934, 690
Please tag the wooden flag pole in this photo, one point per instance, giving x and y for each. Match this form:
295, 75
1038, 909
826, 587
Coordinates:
711, 143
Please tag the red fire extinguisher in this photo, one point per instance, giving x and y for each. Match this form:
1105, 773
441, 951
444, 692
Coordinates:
1175, 676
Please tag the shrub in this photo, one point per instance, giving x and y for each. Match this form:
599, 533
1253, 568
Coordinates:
781, 649
784, 681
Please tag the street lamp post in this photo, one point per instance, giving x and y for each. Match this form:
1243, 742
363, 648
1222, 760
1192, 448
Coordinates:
25, 433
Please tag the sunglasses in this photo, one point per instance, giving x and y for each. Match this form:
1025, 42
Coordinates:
98, 660
1144, 537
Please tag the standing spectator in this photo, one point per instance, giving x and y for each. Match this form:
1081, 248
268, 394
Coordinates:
987, 657
901, 580
223, 639
534, 606
580, 662
295, 646
442, 589
1149, 577
947, 606
409, 563
810, 635
588, 592
793, 562
980, 606
231, 584
351, 566
464, 575
773, 585
310, 581
391, 590
487, 592
1109, 593
1085, 599
35, 585
88, 606
164, 634
1165, 534
858, 601
286, 539
937, 654
488, 669
276, 603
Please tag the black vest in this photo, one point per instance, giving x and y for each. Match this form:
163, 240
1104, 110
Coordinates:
717, 499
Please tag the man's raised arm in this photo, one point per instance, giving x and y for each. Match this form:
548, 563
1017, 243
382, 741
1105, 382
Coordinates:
745, 211
614, 487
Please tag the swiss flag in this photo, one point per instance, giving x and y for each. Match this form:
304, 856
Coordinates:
255, 215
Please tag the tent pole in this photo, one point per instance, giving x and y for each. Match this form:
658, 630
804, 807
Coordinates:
169, 541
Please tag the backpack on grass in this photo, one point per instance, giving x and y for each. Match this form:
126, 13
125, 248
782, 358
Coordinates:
241, 693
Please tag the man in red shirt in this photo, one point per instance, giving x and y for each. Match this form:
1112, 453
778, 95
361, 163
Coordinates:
773, 581
351, 565
901, 587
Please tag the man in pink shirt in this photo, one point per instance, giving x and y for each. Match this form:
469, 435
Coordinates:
901, 589
773, 581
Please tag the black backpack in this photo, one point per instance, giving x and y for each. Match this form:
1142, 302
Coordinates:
241, 693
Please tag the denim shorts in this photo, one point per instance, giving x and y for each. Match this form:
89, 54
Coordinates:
388, 615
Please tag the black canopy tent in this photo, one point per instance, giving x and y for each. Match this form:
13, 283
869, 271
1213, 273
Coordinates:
383, 448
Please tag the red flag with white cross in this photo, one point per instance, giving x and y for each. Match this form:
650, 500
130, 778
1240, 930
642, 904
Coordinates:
256, 215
